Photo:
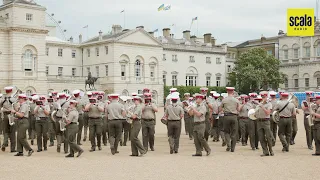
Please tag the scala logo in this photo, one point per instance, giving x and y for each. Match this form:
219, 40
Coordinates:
300, 22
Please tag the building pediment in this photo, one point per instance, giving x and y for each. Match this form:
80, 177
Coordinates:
123, 61
174, 72
138, 36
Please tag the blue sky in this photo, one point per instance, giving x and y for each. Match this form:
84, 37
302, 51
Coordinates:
227, 20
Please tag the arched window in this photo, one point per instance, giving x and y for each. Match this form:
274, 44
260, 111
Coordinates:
295, 48
285, 52
125, 92
286, 83
295, 80
137, 68
28, 60
306, 48
317, 47
28, 92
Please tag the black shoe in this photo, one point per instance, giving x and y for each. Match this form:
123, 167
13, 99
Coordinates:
263, 155
243, 144
69, 155
30, 152
19, 154
310, 147
39, 150
232, 150
257, 147
51, 144
176, 152
84, 139
197, 155
152, 148
284, 149
171, 151
142, 154
105, 144
45, 149
92, 149
79, 153
271, 153
113, 151
99, 148
224, 144
124, 144
228, 149
287, 149
190, 138
208, 152
58, 149
316, 154
13, 151
117, 152
134, 155
253, 149
31, 142
291, 143
120, 143
3, 148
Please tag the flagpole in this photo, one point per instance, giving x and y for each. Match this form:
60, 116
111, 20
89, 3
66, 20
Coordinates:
197, 28
124, 19
87, 32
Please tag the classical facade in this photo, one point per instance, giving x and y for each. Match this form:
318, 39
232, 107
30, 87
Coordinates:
300, 62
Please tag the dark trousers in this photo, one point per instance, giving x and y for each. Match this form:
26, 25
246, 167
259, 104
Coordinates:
285, 130
148, 131
253, 134
274, 130
199, 139
9, 132
294, 129
316, 133
309, 131
215, 130
265, 136
51, 130
230, 128
115, 130
105, 131
186, 126
136, 145
220, 124
174, 131
95, 131
85, 124
208, 126
244, 129
80, 127
32, 127
126, 131
61, 136
42, 127
22, 125
72, 130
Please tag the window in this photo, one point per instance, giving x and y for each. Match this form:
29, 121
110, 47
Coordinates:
218, 79
107, 49
208, 60
229, 69
28, 92
208, 81
47, 51
269, 52
88, 52
152, 73
318, 82
29, 17
73, 54
28, 60
218, 61
47, 70
97, 51
74, 71
285, 53
191, 59
60, 52
286, 83
164, 78
306, 82
174, 58
60, 69
296, 83
318, 49
174, 80
191, 80
107, 70
164, 57
97, 71
307, 50
88, 70
123, 72
137, 68
295, 53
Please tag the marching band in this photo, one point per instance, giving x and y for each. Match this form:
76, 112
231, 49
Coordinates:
116, 119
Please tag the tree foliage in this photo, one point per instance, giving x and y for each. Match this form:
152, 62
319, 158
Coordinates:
255, 70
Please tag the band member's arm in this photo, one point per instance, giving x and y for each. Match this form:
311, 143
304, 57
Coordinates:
181, 113
71, 116
166, 113
87, 108
303, 107
154, 108
137, 113
199, 113
46, 110
123, 111
23, 109
294, 113
36, 109
267, 110
101, 107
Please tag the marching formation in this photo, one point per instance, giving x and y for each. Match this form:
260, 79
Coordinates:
116, 119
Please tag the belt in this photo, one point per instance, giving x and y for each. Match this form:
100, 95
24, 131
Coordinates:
284, 117
58, 117
148, 119
263, 119
94, 117
243, 117
215, 114
229, 114
316, 122
73, 123
7, 112
116, 119
43, 117
173, 120
202, 122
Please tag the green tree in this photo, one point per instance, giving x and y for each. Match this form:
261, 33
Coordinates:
255, 70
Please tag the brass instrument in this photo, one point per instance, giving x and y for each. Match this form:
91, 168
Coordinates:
129, 111
292, 99
11, 116
310, 117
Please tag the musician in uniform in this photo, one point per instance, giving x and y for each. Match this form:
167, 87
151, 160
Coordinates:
306, 110
32, 118
86, 118
105, 133
188, 120
316, 126
208, 115
262, 113
231, 107
244, 119
136, 146
115, 114
199, 128
273, 125
22, 125
51, 125
253, 126
80, 107
72, 129
148, 122
125, 126
42, 112
168, 100
174, 114
215, 130
286, 110
95, 109
61, 107
9, 131
294, 128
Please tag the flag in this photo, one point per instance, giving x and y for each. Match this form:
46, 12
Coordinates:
160, 8
155, 30
194, 19
172, 24
167, 7
86, 26
122, 11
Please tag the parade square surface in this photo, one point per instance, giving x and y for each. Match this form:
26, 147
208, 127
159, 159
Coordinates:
242, 164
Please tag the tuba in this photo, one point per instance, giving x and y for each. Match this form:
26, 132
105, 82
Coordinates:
292, 99
130, 110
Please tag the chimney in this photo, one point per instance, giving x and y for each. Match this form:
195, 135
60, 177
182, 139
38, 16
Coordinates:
140, 27
7, 1
71, 39
151, 33
186, 34
213, 41
207, 38
263, 38
116, 29
100, 35
80, 38
193, 38
172, 36
280, 33
166, 32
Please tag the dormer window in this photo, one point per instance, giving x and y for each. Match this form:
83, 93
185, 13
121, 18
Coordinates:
29, 17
